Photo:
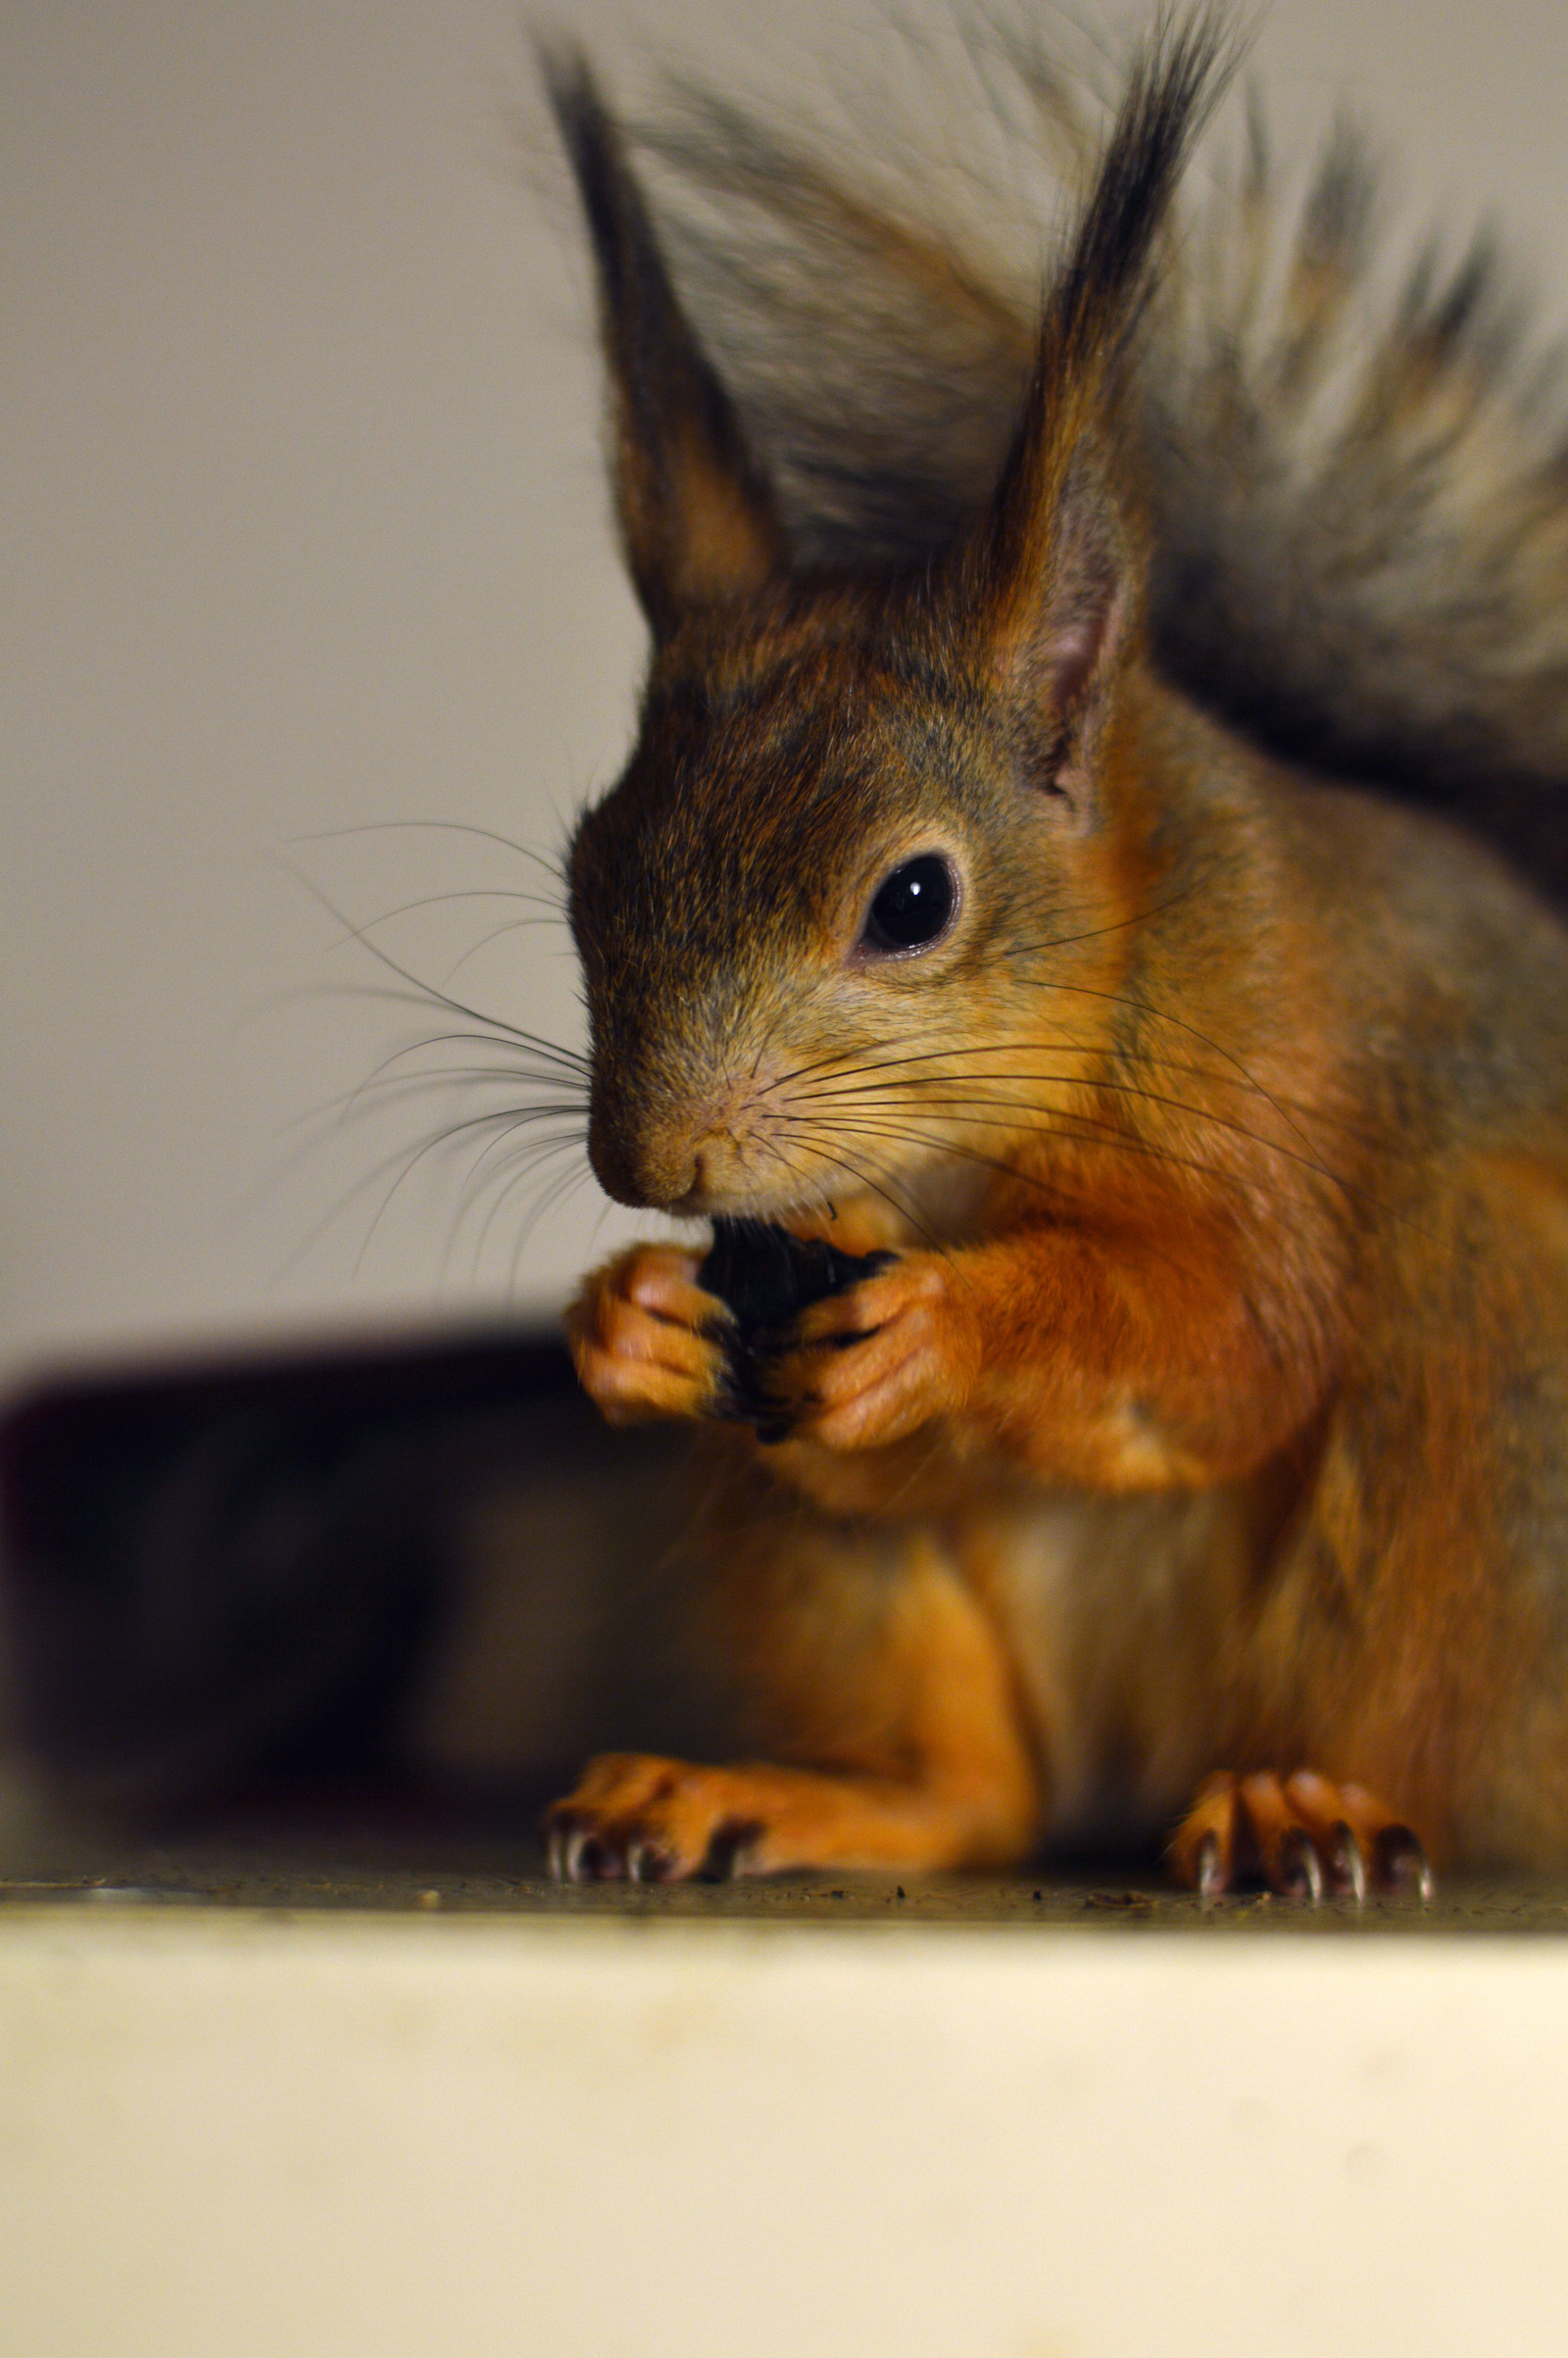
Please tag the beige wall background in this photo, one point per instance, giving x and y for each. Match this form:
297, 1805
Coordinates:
305, 530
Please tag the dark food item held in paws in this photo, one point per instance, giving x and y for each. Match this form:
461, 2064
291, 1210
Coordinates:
767, 1277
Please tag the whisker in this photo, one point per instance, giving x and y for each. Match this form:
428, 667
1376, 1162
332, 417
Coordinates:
816, 1064
521, 1118
472, 892
1143, 1007
513, 925
429, 991
360, 1186
822, 1093
554, 1194
929, 1056
351, 1105
514, 1172
997, 1110
1105, 1137
444, 1136
863, 1179
1065, 941
575, 1062
515, 1167
522, 1121
445, 826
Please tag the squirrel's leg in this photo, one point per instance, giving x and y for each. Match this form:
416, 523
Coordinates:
875, 1680
1301, 1838
1097, 1361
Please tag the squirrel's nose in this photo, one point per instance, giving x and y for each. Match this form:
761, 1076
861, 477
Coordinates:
695, 1198
637, 1165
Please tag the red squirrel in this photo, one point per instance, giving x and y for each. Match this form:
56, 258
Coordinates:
1021, 875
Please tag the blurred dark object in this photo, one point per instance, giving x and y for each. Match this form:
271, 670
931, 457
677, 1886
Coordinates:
235, 1572
767, 1277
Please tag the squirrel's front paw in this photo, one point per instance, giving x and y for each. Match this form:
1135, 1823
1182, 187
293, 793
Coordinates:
871, 1364
651, 1820
646, 1340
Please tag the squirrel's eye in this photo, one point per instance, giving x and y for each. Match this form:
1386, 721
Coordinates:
913, 906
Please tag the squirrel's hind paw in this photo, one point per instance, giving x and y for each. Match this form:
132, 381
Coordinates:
1302, 1838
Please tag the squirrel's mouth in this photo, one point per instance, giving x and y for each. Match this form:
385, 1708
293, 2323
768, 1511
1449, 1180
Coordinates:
717, 1179
754, 1146
733, 1193
733, 1149
772, 1207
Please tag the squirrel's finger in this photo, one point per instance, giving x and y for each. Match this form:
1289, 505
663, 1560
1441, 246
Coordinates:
630, 1391
663, 1282
863, 1309
1203, 1850
627, 1332
1394, 1857
874, 1389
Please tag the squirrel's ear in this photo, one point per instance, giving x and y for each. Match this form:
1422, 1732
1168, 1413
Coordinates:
696, 514
1052, 574
1054, 623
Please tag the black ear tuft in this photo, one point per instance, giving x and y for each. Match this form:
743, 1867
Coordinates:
697, 516
1052, 570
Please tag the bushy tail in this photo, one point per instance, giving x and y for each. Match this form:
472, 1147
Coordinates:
1359, 501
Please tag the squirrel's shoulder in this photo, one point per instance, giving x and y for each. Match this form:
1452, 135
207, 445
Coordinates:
1388, 908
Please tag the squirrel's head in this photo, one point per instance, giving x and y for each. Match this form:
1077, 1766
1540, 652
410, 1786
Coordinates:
860, 810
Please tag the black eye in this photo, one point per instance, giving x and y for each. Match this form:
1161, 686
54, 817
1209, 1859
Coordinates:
913, 906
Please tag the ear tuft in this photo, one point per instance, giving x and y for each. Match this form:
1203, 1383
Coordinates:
697, 516
1053, 574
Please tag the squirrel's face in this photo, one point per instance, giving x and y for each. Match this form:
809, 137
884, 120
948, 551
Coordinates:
854, 910
808, 917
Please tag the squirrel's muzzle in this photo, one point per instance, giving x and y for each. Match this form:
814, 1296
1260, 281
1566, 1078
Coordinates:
686, 1149
640, 1163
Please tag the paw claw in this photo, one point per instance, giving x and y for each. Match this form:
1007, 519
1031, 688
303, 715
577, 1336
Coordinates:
1297, 1870
1212, 1874
1401, 1863
1346, 1866
1302, 1838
